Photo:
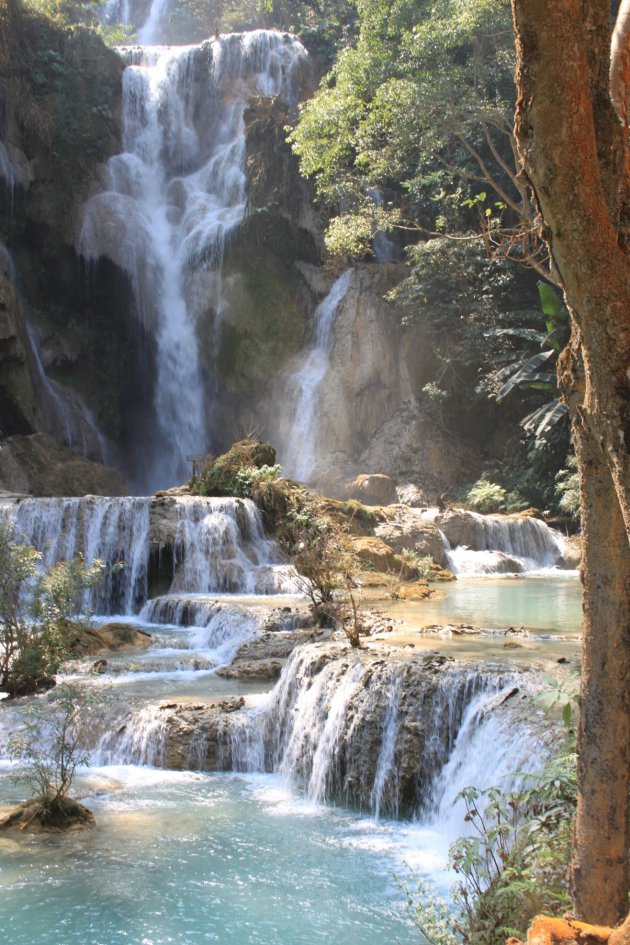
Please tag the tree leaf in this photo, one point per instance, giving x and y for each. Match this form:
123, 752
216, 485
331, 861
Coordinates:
526, 373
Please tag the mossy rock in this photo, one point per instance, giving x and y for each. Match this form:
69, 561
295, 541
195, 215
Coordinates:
267, 303
219, 476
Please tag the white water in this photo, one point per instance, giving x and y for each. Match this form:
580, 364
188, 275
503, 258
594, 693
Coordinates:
503, 544
170, 203
223, 547
299, 449
343, 731
217, 545
112, 530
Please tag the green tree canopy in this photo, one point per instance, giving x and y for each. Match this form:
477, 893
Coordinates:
420, 109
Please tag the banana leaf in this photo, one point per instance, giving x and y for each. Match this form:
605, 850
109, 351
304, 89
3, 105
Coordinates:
524, 374
542, 420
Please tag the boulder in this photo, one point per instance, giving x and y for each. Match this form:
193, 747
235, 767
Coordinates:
407, 529
107, 638
547, 930
381, 557
571, 557
412, 496
373, 489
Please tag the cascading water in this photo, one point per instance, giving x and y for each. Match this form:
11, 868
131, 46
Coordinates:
216, 545
299, 451
220, 545
374, 734
115, 531
170, 202
490, 544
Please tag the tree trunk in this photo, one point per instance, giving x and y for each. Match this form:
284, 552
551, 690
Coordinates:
573, 151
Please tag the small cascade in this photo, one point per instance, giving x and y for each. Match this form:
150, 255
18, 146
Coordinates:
495, 544
216, 545
137, 737
486, 753
116, 531
386, 774
220, 545
171, 201
299, 452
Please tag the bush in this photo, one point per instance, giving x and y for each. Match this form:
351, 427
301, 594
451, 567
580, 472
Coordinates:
486, 497
568, 489
37, 613
50, 746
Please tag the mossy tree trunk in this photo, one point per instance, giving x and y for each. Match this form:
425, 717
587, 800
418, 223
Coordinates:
573, 147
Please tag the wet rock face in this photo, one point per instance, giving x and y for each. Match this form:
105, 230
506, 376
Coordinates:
17, 396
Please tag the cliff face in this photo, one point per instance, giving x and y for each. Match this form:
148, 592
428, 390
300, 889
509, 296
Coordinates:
62, 339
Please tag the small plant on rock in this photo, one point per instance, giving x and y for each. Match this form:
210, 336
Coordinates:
37, 612
50, 746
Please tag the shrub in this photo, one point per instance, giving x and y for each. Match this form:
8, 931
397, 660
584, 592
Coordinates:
486, 497
37, 612
50, 745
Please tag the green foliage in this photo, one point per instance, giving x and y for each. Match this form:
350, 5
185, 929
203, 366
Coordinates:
356, 510
51, 744
568, 488
322, 23
421, 107
424, 564
37, 612
511, 866
486, 497
524, 370
246, 465
73, 119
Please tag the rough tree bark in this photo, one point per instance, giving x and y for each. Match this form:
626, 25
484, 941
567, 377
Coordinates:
573, 146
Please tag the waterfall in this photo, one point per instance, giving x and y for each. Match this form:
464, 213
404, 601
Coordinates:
171, 201
487, 751
131, 738
116, 531
299, 453
491, 544
378, 735
220, 545
216, 545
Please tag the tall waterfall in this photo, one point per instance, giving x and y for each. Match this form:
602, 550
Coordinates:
299, 451
170, 202
215, 545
